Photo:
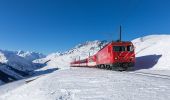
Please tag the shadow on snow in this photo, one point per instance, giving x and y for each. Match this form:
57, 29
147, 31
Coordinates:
41, 72
146, 62
6, 78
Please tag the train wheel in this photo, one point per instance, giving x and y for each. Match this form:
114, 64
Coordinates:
98, 66
102, 66
108, 67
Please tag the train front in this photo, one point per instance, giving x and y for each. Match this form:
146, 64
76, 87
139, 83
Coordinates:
123, 55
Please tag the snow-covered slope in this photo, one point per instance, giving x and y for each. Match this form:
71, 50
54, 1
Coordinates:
153, 52
62, 60
92, 84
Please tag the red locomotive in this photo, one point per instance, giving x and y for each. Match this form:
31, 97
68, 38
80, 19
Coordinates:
114, 56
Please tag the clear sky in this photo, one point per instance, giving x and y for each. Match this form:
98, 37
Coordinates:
48, 26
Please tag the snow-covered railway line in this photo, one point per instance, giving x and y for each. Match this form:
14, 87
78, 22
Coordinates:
143, 74
151, 75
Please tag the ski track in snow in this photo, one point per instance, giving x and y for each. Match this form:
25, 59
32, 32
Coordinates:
92, 84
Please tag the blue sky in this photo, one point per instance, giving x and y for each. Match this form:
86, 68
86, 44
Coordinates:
57, 25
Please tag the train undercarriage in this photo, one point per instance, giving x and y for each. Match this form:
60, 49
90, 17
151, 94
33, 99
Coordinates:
117, 66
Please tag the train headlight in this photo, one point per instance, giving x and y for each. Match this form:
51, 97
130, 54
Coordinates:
116, 58
131, 57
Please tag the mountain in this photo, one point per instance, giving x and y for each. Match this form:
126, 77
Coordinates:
81, 51
30, 56
16, 65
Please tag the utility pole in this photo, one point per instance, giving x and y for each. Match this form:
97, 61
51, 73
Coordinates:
120, 34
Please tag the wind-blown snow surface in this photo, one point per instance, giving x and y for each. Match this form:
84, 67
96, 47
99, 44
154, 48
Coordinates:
153, 52
92, 84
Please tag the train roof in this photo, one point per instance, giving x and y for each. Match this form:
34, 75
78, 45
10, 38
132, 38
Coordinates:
120, 42
116, 43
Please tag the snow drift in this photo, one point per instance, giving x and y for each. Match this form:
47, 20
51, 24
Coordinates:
153, 52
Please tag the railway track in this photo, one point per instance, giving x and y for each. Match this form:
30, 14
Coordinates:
146, 74
139, 73
151, 75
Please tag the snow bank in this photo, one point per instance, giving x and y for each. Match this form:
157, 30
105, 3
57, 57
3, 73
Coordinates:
153, 52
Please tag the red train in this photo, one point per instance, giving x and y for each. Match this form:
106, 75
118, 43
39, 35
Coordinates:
114, 56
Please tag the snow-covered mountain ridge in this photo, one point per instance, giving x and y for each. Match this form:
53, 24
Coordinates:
81, 51
15, 65
30, 56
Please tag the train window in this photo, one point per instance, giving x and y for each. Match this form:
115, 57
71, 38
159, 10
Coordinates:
119, 48
130, 48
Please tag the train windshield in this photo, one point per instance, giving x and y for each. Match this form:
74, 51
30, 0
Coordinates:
123, 48
119, 48
130, 48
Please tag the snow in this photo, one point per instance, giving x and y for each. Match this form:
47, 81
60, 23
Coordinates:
12, 59
30, 56
17, 64
153, 52
4, 69
5, 88
145, 83
92, 84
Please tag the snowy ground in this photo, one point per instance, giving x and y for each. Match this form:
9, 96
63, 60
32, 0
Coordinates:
16, 84
92, 84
